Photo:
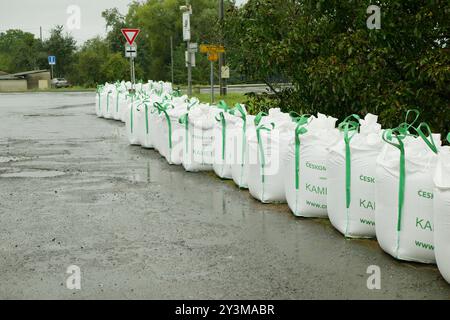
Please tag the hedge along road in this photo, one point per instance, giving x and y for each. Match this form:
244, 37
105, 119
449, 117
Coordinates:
73, 192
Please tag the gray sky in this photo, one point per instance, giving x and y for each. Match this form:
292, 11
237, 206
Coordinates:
29, 15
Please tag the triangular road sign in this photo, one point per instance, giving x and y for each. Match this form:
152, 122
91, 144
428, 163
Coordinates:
130, 35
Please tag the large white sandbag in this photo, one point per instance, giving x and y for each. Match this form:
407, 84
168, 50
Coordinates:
119, 96
123, 106
104, 99
131, 125
305, 175
266, 177
99, 100
172, 133
198, 154
239, 134
109, 107
224, 141
441, 210
144, 110
404, 196
351, 168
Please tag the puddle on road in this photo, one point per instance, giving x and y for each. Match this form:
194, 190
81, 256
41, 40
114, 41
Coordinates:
75, 106
33, 174
46, 115
13, 159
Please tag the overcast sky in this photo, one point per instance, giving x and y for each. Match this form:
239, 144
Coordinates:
29, 15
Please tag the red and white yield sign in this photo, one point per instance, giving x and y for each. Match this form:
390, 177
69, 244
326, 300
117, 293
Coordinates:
130, 35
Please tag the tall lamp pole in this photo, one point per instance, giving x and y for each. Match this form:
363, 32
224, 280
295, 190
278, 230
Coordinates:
222, 62
187, 11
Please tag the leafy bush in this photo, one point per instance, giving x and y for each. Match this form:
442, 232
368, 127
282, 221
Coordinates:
338, 66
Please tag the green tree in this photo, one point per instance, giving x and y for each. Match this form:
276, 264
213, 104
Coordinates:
338, 66
115, 67
19, 51
63, 46
89, 62
116, 22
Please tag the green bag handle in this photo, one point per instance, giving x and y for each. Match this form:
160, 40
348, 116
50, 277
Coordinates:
404, 128
163, 109
193, 102
296, 116
299, 130
395, 138
223, 105
350, 127
388, 136
223, 122
448, 137
100, 88
238, 108
176, 93
145, 103
429, 141
184, 120
259, 117
261, 148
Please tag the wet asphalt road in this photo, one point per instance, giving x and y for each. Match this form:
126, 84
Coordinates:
72, 192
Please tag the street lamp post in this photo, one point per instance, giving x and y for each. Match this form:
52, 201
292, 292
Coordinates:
187, 11
222, 82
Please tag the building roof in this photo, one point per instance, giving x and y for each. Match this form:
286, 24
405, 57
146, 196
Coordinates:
9, 77
26, 73
19, 75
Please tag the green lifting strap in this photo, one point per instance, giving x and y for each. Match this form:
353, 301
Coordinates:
350, 127
299, 130
223, 123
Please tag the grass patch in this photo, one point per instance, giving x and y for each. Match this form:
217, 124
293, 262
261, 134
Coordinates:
231, 98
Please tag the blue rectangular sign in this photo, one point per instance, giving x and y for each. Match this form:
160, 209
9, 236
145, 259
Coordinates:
51, 60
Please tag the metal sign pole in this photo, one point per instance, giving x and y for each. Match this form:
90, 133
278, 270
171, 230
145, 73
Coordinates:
212, 82
189, 70
171, 58
187, 11
131, 52
134, 73
131, 73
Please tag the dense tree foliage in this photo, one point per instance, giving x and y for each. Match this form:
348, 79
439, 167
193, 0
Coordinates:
338, 66
20, 51
102, 59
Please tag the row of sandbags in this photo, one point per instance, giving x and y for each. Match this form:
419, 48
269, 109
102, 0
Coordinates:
393, 185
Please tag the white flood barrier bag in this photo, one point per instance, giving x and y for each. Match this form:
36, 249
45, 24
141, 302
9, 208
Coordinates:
109, 107
104, 100
118, 98
131, 125
143, 111
404, 195
442, 212
239, 133
224, 140
171, 134
266, 178
123, 103
351, 168
198, 150
99, 100
305, 175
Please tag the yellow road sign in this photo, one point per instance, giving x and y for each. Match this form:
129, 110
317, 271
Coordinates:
213, 56
211, 48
